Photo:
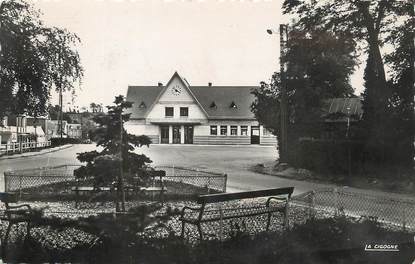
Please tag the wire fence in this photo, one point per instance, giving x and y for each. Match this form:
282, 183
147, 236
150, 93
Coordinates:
59, 181
211, 181
390, 211
55, 183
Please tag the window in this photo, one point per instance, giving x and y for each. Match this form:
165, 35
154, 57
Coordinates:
244, 130
234, 130
213, 130
169, 111
142, 105
184, 111
223, 130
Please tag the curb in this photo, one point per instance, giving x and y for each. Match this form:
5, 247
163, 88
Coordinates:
31, 154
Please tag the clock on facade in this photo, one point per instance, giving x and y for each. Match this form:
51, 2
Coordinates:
176, 90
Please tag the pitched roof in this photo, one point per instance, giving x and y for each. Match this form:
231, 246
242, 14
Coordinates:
223, 97
344, 106
352, 106
141, 94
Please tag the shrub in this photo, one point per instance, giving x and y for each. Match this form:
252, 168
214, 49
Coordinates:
63, 141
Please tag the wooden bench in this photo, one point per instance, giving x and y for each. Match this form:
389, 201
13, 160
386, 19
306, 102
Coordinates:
197, 216
14, 214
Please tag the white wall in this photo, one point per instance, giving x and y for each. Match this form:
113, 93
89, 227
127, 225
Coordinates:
142, 129
169, 99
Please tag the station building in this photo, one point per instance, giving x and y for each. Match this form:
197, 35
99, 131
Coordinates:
178, 113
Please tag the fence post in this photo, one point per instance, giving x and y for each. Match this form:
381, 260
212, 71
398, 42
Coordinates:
404, 221
312, 204
6, 181
7, 149
336, 201
20, 147
208, 185
226, 180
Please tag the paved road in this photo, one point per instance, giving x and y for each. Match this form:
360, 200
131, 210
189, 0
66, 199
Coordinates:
233, 160
65, 156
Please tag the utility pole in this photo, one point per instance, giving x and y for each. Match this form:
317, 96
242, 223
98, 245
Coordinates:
121, 179
60, 119
283, 103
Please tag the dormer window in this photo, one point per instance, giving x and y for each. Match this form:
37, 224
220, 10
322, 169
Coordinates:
213, 105
142, 105
233, 105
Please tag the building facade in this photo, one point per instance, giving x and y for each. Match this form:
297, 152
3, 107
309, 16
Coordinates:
178, 113
22, 128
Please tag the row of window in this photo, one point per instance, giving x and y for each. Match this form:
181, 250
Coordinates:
169, 111
224, 130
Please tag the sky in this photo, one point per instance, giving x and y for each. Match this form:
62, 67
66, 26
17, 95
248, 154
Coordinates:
143, 42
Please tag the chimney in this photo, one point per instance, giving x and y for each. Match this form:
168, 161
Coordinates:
160, 84
210, 84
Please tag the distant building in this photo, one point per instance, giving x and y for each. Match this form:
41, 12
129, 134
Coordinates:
74, 130
22, 128
178, 113
341, 115
53, 129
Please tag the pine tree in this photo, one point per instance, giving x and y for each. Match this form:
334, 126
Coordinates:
117, 161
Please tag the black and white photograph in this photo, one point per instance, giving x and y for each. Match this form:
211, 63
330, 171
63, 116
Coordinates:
207, 131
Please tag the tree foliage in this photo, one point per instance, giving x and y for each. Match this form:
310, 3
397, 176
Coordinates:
388, 104
104, 166
34, 59
319, 65
117, 160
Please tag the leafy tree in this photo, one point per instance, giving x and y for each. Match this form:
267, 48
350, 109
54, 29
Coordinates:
401, 103
34, 59
117, 161
54, 110
372, 24
319, 65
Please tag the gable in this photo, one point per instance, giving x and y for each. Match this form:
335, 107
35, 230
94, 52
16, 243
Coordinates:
176, 91
176, 94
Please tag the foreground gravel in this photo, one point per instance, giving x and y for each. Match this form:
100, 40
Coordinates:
69, 238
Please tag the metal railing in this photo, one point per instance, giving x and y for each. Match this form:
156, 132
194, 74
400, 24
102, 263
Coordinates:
211, 181
59, 180
390, 211
21, 147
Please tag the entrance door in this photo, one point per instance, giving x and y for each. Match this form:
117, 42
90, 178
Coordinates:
255, 135
164, 134
176, 134
188, 134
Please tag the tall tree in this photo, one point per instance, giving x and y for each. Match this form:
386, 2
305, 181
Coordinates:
34, 59
117, 160
372, 23
319, 66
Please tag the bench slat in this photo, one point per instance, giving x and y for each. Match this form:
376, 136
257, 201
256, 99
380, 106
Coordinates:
215, 215
223, 197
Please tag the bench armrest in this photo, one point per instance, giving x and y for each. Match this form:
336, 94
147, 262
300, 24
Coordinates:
276, 198
189, 208
12, 207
